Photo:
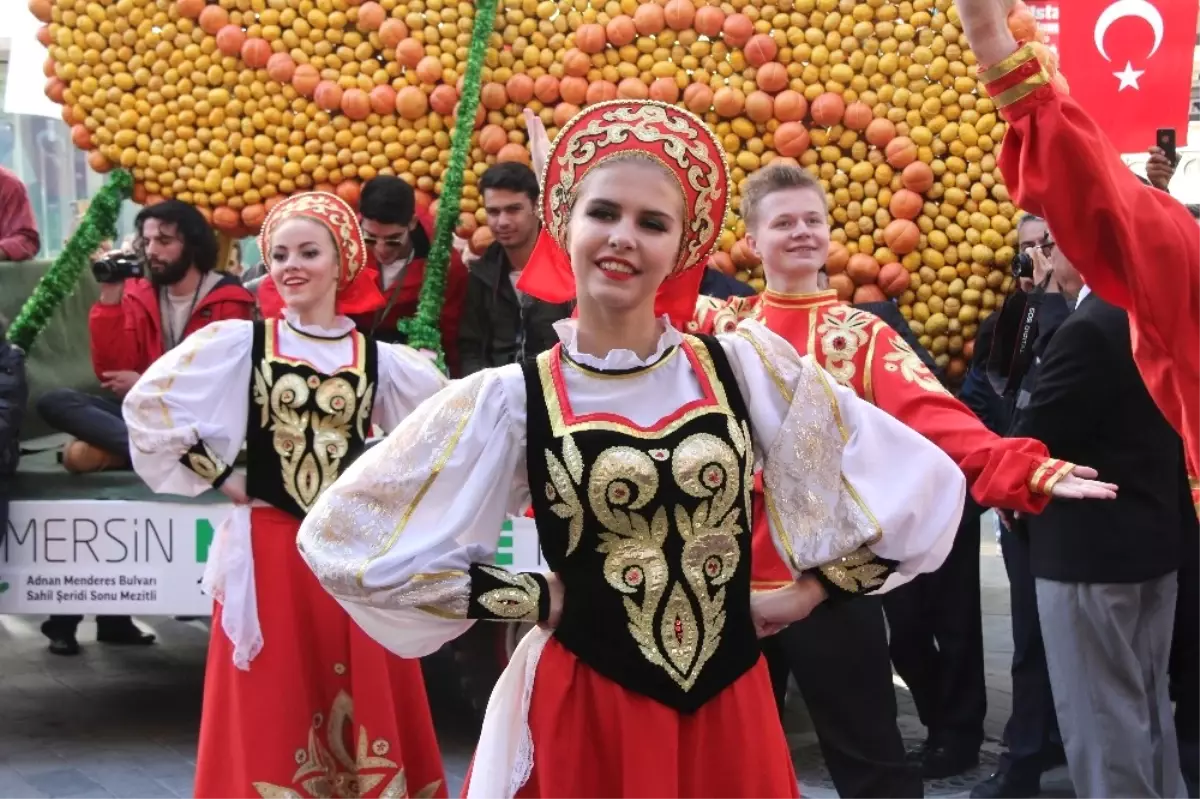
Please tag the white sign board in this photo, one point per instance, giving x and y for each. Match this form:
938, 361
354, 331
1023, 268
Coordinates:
139, 558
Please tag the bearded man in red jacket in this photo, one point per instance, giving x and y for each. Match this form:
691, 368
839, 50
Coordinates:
137, 319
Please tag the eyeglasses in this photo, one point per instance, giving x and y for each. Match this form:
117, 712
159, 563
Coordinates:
390, 241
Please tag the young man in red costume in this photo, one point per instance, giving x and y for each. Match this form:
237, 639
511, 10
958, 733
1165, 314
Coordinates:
398, 235
786, 219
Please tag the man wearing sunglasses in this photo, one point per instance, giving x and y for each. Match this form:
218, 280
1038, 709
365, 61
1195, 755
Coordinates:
398, 235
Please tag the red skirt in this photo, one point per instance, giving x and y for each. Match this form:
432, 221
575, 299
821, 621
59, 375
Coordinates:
323, 711
591, 737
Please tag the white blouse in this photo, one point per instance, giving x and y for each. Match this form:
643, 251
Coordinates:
200, 390
394, 537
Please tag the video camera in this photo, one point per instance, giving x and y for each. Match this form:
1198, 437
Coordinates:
118, 266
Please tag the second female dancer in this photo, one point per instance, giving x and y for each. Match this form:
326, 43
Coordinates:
298, 701
636, 445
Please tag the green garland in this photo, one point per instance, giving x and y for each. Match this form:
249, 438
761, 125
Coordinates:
424, 330
98, 224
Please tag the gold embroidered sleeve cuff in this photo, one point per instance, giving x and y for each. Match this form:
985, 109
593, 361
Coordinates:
202, 460
860, 572
500, 595
1017, 82
1047, 474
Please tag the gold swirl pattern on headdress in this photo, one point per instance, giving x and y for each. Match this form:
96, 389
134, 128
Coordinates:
336, 215
666, 134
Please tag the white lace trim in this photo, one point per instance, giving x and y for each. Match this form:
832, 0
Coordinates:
567, 330
342, 326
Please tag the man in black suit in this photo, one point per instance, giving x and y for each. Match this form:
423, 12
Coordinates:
1106, 571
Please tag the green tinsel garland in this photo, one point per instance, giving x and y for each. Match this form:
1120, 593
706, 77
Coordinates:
98, 224
424, 329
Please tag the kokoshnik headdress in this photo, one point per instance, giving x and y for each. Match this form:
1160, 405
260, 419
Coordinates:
357, 289
670, 136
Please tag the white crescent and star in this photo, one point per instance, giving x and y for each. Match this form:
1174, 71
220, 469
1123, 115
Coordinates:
1142, 9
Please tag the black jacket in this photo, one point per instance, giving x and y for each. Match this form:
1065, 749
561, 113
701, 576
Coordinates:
1090, 407
497, 327
716, 283
14, 395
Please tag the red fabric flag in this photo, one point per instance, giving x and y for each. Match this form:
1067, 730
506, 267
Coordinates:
1129, 63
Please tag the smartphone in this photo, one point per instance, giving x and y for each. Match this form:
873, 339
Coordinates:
1166, 142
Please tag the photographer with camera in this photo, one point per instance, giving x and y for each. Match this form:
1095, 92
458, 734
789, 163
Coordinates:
150, 300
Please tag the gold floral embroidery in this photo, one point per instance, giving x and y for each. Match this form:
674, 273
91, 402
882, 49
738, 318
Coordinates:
207, 464
716, 316
518, 601
565, 475
283, 403
328, 769
843, 330
625, 480
856, 572
906, 361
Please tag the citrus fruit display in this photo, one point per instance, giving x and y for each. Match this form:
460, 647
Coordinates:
232, 104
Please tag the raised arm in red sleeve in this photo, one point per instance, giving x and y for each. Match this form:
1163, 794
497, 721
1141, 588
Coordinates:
1136, 246
1009, 473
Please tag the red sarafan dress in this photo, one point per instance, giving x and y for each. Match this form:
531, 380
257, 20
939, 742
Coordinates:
298, 700
1137, 247
639, 473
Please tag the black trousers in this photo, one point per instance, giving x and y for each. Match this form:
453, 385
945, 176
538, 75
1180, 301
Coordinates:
64, 626
95, 420
936, 624
1185, 662
839, 657
1031, 733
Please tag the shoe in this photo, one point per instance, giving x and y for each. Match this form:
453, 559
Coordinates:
915, 756
1004, 785
80, 457
60, 643
942, 761
124, 635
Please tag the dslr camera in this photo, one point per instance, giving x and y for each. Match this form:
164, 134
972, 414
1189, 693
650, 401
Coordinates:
1023, 265
117, 267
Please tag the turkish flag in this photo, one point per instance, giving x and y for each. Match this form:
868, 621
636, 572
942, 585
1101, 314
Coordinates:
1129, 64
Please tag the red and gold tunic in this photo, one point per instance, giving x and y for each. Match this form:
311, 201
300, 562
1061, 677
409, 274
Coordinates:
1137, 247
863, 353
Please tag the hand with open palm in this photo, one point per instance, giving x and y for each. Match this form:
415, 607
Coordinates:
539, 141
1081, 483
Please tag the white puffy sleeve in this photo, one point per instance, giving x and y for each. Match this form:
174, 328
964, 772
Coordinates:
852, 493
406, 379
406, 537
187, 413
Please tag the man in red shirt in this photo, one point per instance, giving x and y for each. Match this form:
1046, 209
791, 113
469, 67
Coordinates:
19, 240
398, 236
136, 320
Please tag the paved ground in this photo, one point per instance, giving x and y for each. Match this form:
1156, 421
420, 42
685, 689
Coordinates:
123, 723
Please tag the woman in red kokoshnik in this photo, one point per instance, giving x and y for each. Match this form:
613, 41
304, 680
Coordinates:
298, 700
636, 445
